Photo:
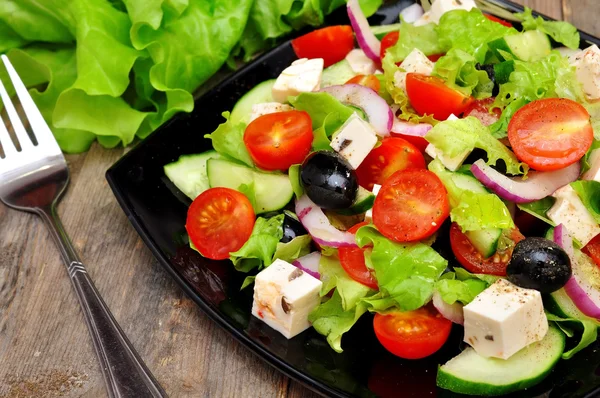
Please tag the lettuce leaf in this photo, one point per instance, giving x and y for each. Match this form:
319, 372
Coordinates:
472, 211
457, 68
454, 137
588, 335
333, 276
453, 290
539, 208
561, 31
585, 161
406, 273
292, 250
424, 37
228, 140
589, 193
258, 251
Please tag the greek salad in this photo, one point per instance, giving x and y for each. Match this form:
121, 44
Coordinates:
446, 171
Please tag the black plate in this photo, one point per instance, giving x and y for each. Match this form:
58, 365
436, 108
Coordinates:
158, 211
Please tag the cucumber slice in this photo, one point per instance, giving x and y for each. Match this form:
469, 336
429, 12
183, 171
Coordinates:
364, 201
466, 182
336, 74
527, 46
188, 173
485, 240
272, 190
259, 94
470, 373
503, 70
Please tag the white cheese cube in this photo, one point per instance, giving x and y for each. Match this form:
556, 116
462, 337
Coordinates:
594, 172
440, 7
503, 319
415, 62
284, 296
303, 75
369, 213
572, 213
354, 140
360, 63
266, 108
424, 20
587, 65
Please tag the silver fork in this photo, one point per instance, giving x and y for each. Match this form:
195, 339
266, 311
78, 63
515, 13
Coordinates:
33, 179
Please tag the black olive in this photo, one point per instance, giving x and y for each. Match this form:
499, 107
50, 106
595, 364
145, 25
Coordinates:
291, 229
539, 264
489, 69
329, 180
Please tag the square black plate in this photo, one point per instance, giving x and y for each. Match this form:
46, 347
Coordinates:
157, 211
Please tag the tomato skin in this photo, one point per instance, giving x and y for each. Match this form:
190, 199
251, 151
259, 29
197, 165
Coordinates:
592, 249
499, 20
473, 261
550, 134
370, 81
429, 95
481, 110
353, 262
388, 41
392, 155
332, 44
411, 205
278, 140
418, 142
412, 334
219, 221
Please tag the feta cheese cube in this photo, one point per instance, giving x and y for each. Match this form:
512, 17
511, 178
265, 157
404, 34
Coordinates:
284, 296
503, 319
354, 140
572, 213
415, 62
266, 108
440, 7
360, 63
303, 75
424, 20
594, 172
369, 213
587, 65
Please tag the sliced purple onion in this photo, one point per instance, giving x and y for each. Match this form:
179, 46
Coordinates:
539, 184
309, 264
318, 226
585, 296
452, 312
365, 38
406, 128
411, 13
377, 111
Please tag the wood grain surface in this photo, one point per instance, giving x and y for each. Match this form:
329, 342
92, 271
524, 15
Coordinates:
45, 350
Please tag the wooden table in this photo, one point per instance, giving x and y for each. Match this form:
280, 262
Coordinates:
45, 349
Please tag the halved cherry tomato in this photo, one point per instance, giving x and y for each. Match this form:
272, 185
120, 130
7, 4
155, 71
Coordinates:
481, 110
388, 41
551, 133
429, 95
499, 20
411, 205
219, 221
332, 44
353, 262
412, 334
592, 249
370, 81
278, 140
470, 258
392, 155
419, 142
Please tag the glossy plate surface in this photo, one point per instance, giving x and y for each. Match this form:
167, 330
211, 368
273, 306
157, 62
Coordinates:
157, 210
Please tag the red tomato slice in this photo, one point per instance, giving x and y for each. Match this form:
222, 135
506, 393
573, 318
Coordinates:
332, 44
499, 20
370, 81
353, 262
419, 142
429, 95
411, 205
412, 334
592, 249
388, 41
551, 133
278, 140
219, 221
481, 110
470, 258
392, 155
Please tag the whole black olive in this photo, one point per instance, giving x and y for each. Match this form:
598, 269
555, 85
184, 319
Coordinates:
539, 264
291, 228
329, 180
489, 69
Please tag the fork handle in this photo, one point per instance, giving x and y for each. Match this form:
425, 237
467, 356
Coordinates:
124, 372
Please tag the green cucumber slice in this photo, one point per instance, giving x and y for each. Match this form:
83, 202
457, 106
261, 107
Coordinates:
261, 93
272, 190
188, 173
485, 240
470, 373
338, 73
363, 202
526, 46
503, 70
